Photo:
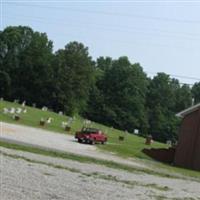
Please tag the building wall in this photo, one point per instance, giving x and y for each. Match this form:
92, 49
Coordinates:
196, 161
188, 149
162, 154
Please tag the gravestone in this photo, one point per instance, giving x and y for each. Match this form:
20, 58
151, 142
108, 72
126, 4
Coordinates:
24, 111
44, 108
16, 117
60, 113
49, 120
136, 131
169, 142
5, 110
34, 105
148, 140
64, 124
42, 122
18, 110
23, 103
16, 101
12, 110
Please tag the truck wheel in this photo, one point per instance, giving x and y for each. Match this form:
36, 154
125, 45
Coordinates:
92, 142
102, 142
79, 141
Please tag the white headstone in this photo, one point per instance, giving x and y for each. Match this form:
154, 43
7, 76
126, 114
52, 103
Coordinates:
64, 124
49, 120
136, 131
23, 103
44, 108
18, 110
5, 110
192, 101
169, 142
87, 122
12, 110
34, 105
60, 113
24, 111
42, 119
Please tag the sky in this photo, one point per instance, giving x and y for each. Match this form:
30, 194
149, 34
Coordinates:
163, 36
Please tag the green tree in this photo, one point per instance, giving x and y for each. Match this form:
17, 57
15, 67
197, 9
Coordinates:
26, 57
161, 92
73, 76
120, 96
4, 84
161, 102
104, 63
183, 98
196, 92
95, 105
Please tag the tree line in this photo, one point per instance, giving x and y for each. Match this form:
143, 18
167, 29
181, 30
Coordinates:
114, 92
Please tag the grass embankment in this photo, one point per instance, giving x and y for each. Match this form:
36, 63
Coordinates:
130, 147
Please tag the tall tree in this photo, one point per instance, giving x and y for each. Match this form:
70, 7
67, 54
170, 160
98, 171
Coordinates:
73, 73
183, 98
196, 92
161, 102
4, 84
26, 57
121, 96
104, 63
95, 106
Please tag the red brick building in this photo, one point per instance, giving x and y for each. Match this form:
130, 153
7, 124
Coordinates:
188, 150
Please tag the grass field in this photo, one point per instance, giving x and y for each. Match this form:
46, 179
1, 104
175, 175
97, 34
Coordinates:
130, 147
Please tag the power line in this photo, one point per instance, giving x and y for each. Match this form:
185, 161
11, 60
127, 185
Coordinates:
175, 20
129, 43
181, 83
178, 76
130, 29
133, 31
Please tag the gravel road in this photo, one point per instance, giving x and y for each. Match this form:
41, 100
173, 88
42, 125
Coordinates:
55, 141
47, 178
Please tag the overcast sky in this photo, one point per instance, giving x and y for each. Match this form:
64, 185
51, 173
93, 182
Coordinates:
162, 36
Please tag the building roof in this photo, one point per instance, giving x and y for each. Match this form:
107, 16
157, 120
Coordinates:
188, 110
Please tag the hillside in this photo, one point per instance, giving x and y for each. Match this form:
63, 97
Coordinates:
130, 147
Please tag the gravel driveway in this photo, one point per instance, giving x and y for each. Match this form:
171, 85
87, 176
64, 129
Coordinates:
56, 141
42, 179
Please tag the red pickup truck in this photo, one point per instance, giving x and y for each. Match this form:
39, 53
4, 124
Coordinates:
90, 136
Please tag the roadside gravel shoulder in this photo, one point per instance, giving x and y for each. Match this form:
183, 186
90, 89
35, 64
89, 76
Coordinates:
72, 176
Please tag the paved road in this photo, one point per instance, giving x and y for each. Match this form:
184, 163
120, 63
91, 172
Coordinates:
55, 141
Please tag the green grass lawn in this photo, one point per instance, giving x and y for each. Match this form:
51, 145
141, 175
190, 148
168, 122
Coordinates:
130, 147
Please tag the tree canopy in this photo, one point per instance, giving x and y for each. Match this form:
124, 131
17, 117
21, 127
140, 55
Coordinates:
115, 92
